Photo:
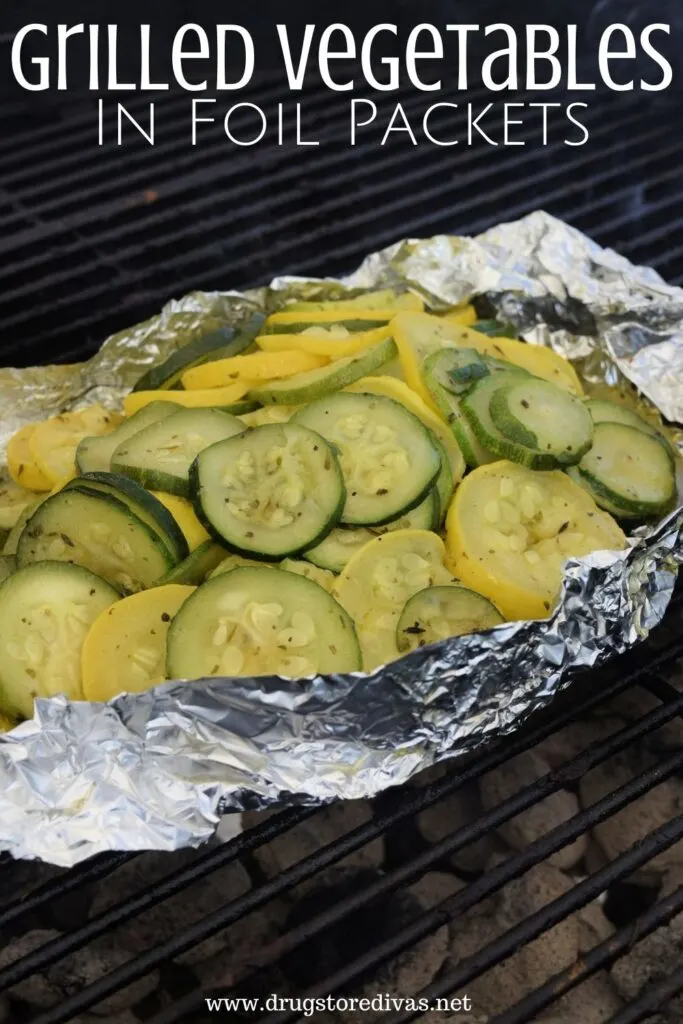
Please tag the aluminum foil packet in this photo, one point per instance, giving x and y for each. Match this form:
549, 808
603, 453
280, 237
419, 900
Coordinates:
157, 770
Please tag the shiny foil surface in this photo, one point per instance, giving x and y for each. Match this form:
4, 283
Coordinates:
156, 770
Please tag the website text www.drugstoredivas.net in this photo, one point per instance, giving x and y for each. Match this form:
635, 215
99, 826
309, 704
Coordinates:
443, 64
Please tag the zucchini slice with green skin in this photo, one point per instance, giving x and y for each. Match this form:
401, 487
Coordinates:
476, 406
8, 566
219, 343
314, 384
343, 542
349, 325
448, 405
614, 510
269, 492
611, 412
261, 621
494, 329
539, 415
456, 369
159, 457
630, 469
46, 611
93, 454
99, 532
12, 542
387, 455
196, 567
444, 485
437, 613
141, 503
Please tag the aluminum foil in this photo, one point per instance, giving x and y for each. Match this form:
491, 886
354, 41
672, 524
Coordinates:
156, 770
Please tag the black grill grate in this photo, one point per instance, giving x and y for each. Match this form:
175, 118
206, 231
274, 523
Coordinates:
96, 244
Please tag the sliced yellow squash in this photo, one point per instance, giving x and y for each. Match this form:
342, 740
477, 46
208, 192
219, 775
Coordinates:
183, 512
125, 649
53, 443
537, 359
510, 530
391, 387
21, 464
464, 314
379, 579
333, 343
6, 724
268, 414
324, 577
219, 398
13, 500
257, 366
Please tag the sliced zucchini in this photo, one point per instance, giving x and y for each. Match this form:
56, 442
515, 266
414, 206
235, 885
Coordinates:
93, 454
306, 387
160, 456
621, 514
322, 577
8, 566
125, 649
340, 328
270, 492
230, 562
21, 463
438, 613
611, 412
230, 399
258, 366
46, 611
387, 455
448, 404
539, 415
99, 532
336, 549
220, 343
494, 328
445, 484
389, 387
198, 565
631, 469
142, 504
12, 541
476, 406
378, 581
261, 621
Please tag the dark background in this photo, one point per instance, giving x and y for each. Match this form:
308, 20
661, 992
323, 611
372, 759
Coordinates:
94, 239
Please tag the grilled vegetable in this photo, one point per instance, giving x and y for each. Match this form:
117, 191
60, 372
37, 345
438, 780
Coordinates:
46, 611
322, 577
436, 613
13, 500
476, 406
197, 567
229, 399
8, 566
332, 341
261, 621
494, 328
184, 515
54, 442
387, 456
630, 469
307, 387
160, 456
259, 366
99, 532
538, 415
125, 648
438, 367
380, 578
93, 454
509, 531
269, 492
274, 335
21, 463
221, 343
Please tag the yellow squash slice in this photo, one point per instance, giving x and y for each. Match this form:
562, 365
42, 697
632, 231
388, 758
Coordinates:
21, 464
268, 414
125, 649
218, 398
379, 579
183, 512
323, 577
13, 500
390, 387
464, 314
333, 342
258, 366
53, 443
510, 530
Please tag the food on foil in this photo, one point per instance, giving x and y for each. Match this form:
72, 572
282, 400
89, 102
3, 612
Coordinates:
316, 492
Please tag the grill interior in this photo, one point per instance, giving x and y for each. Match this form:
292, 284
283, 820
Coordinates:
91, 245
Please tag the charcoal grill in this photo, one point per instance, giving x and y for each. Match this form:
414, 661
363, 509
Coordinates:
93, 243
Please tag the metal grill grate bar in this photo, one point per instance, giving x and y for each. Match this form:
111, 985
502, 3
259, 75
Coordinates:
595, 959
653, 999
